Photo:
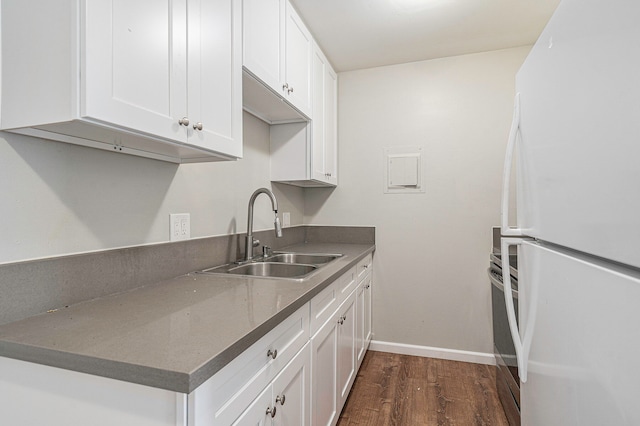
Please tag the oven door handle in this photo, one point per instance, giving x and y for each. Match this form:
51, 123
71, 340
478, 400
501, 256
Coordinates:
496, 282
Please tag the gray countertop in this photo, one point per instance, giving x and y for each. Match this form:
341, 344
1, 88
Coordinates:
174, 334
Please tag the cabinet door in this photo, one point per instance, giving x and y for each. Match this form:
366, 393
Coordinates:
259, 412
324, 141
367, 310
363, 319
215, 75
360, 320
324, 353
330, 125
324, 138
134, 65
346, 349
318, 124
298, 48
263, 53
291, 391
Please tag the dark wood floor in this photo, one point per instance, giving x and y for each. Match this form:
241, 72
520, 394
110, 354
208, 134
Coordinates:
404, 390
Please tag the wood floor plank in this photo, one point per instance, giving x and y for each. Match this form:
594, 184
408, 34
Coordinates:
401, 390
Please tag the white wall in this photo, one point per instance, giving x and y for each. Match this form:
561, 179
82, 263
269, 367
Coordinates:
431, 287
58, 198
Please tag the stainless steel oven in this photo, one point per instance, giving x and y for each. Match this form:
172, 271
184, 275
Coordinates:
507, 379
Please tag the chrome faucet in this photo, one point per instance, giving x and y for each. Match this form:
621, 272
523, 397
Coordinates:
250, 242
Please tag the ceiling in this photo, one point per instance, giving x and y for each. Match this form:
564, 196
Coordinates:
356, 34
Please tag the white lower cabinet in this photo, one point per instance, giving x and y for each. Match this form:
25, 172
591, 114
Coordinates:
285, 402
256, 415
291, 392
324, 365
360, 320
223, 399
346, 348
367, 313
290, 377
363, 310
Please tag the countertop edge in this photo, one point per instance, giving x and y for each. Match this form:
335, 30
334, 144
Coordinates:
95, 366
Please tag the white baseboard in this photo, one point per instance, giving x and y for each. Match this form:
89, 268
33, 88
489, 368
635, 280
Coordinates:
430, 352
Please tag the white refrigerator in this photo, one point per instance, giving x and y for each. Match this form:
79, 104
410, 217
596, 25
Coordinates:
575, 146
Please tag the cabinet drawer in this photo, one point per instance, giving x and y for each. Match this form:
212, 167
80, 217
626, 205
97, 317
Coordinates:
346, 285
230, 391
364, 267
323, 305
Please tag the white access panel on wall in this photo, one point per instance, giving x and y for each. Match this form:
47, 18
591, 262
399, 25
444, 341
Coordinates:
403, 170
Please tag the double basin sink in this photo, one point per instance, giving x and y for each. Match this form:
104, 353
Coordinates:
278, 265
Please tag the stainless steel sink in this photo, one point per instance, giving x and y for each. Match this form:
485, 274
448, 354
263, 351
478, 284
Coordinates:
269, 269
279, 265
309, 259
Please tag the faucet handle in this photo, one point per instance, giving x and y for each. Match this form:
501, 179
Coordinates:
256, 242
266, 251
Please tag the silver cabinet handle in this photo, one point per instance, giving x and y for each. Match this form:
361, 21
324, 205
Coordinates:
272, 353
184, 121
280, 399
290, 89
198, 126
271, 411
285, 86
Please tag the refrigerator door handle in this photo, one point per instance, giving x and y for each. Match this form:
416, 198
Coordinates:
521, 344
506, 171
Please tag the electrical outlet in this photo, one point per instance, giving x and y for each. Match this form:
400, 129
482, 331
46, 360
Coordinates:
180, 226
286, 219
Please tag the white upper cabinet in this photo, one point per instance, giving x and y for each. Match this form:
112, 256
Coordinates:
298, 48
159, 79
325, 139
263, 53
306, 154
277, 52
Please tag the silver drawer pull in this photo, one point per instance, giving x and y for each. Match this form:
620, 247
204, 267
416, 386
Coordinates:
184, 121
271, 411
280, 399
272, 353
197, 126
